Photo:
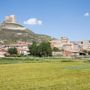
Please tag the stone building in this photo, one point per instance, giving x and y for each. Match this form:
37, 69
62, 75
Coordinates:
85, 44
10, 19
66, 47
11, 24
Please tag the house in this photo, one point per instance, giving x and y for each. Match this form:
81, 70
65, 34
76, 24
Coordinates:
2, 52
85, 44
71, 49
66, 47
22, 47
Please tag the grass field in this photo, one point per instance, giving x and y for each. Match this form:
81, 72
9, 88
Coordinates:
53, 75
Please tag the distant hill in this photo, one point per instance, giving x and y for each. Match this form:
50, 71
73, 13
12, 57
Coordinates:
13, 32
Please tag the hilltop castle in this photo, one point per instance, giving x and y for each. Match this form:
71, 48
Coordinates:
10, 19
11, 24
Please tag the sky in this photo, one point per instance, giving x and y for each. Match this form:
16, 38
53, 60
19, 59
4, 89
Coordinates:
57, 18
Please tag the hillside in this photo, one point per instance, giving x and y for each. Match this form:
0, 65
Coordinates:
13, 32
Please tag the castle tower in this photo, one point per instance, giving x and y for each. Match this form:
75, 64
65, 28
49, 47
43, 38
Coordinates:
10, 19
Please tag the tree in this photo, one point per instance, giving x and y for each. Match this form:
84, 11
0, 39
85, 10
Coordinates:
42, 49
45, 49
33, 49
55, 49
12, 51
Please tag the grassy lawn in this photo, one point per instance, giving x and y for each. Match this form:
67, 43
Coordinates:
53, 75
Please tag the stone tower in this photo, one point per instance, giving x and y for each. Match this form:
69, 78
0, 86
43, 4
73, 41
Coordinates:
10, 19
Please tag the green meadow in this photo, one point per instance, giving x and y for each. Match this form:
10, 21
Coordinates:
44, 74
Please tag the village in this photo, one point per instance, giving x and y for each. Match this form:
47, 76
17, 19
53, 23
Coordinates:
63, 45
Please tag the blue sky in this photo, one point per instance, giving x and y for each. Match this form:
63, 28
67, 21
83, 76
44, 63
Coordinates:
70, 18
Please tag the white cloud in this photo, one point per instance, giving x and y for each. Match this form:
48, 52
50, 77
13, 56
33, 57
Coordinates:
33, 21
87, 14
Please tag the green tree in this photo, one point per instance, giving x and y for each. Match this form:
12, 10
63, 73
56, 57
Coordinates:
12, 51
33, 49
55, 49
42, 49
46, 48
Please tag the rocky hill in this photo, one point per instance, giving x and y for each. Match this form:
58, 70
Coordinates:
13, 32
